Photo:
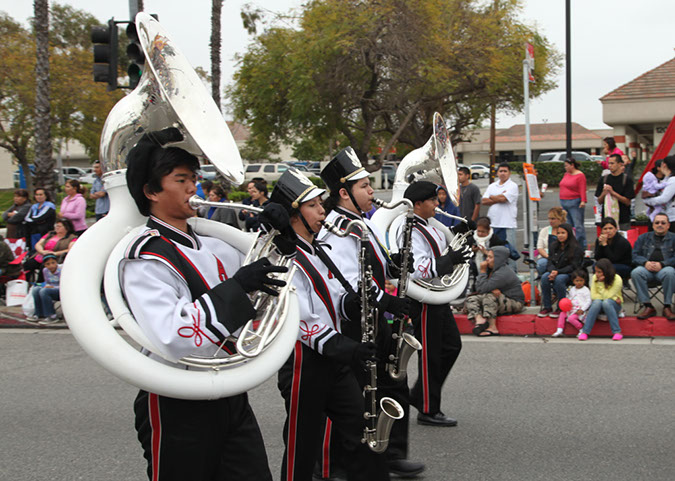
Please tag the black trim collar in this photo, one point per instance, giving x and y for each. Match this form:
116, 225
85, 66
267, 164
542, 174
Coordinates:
348, 213
421, 220
188, 240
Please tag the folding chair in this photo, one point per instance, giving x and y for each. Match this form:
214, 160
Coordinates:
654, 288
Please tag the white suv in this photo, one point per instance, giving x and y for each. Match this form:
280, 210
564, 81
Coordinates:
560, 156
270, 171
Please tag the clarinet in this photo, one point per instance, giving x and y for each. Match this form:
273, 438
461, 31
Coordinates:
378, 425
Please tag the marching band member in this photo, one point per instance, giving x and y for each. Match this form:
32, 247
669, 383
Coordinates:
188, 293
317, 379
435, 326
350, 196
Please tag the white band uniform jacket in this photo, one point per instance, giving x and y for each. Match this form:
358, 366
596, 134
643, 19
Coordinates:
345, 252
320, 294
423, 253
158, 294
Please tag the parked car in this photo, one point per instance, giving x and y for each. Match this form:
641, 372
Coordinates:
597, 158
87, 179
71, 173
388, 175
268, 171
479, 171
207, 172
560, 156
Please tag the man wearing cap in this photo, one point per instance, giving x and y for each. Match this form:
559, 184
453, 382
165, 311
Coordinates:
318, 378
435, 325
350, 196
188, 293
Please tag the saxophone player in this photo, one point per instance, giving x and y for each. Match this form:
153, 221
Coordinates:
188, 293
434, 325
317, 378
350, 196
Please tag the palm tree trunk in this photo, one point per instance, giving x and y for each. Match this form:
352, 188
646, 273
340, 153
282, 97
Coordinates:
216, 8
44, 163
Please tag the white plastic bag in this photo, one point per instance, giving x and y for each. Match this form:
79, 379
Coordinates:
28, 306
17, 291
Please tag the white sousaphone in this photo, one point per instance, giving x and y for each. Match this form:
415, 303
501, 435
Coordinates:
169, 94
435, 162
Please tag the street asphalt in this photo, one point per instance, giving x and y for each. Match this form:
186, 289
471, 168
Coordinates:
528, 409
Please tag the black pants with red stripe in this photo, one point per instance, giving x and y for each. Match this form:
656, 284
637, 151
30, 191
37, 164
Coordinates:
437, 331
314, 386
200, 440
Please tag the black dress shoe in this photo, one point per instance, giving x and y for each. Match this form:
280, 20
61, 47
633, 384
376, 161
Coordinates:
405, 468
438, 419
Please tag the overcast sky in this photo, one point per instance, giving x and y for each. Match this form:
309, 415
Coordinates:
613, 41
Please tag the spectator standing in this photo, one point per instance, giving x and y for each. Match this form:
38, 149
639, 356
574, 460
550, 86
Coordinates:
73, 205
667, 198
573, 198
16, 214
547, 236
498, 292
654, 256
614, 192
446, 205
44, 296
219, 214
653, 185
614, 247
40, 218
609, 148
469, 198
565, 257
502, 198
98, 192
606, 297
258, 198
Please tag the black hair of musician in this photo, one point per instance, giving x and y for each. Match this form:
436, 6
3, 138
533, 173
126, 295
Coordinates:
148, 163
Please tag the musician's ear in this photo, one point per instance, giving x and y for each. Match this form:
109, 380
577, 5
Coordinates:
344, 195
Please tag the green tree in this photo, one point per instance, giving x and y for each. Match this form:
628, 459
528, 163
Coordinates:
371, 74
78, 107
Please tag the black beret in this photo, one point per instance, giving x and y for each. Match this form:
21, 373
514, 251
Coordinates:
420, 191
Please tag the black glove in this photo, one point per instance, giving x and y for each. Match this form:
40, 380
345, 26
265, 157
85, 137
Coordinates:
253, 277
274, 216
463, 227
395, 264
286, 242
445, 263
397, 306
351, 307
365, 351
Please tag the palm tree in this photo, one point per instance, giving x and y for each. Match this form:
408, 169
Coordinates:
216, 8
44, 163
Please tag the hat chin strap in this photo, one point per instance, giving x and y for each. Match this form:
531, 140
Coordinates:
356, 204
310, 231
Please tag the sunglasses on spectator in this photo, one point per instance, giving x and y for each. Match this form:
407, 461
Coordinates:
660, 223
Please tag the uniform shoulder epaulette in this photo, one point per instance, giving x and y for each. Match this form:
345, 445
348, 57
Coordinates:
149, 242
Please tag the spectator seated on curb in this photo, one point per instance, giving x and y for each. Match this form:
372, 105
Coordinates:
547, 236
498, 292
45, 295
565, 257
484, 239
654, 256
615, 247
606, 297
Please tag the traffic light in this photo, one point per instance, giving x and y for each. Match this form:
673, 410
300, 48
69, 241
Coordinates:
105, 54
136, 56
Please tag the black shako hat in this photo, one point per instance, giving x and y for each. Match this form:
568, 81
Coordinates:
293, 188
420, 191
345, 166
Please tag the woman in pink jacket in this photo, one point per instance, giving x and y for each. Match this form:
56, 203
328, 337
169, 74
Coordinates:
73, 206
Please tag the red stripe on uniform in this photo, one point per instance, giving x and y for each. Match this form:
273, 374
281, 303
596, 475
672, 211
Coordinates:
188, 261
293, 412
425, 365
325, 459
156, 427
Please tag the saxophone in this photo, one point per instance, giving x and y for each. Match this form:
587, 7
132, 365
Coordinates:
404, 344
378, 426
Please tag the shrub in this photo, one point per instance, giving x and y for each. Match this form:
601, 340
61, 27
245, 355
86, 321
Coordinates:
552, 172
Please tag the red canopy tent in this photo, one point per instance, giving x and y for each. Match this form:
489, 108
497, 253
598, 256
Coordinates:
666, 147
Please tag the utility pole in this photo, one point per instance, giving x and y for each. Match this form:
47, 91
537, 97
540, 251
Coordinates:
568, 77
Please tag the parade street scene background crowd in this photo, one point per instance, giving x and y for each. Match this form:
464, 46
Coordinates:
304, 291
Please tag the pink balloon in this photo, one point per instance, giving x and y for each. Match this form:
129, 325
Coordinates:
565, 304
